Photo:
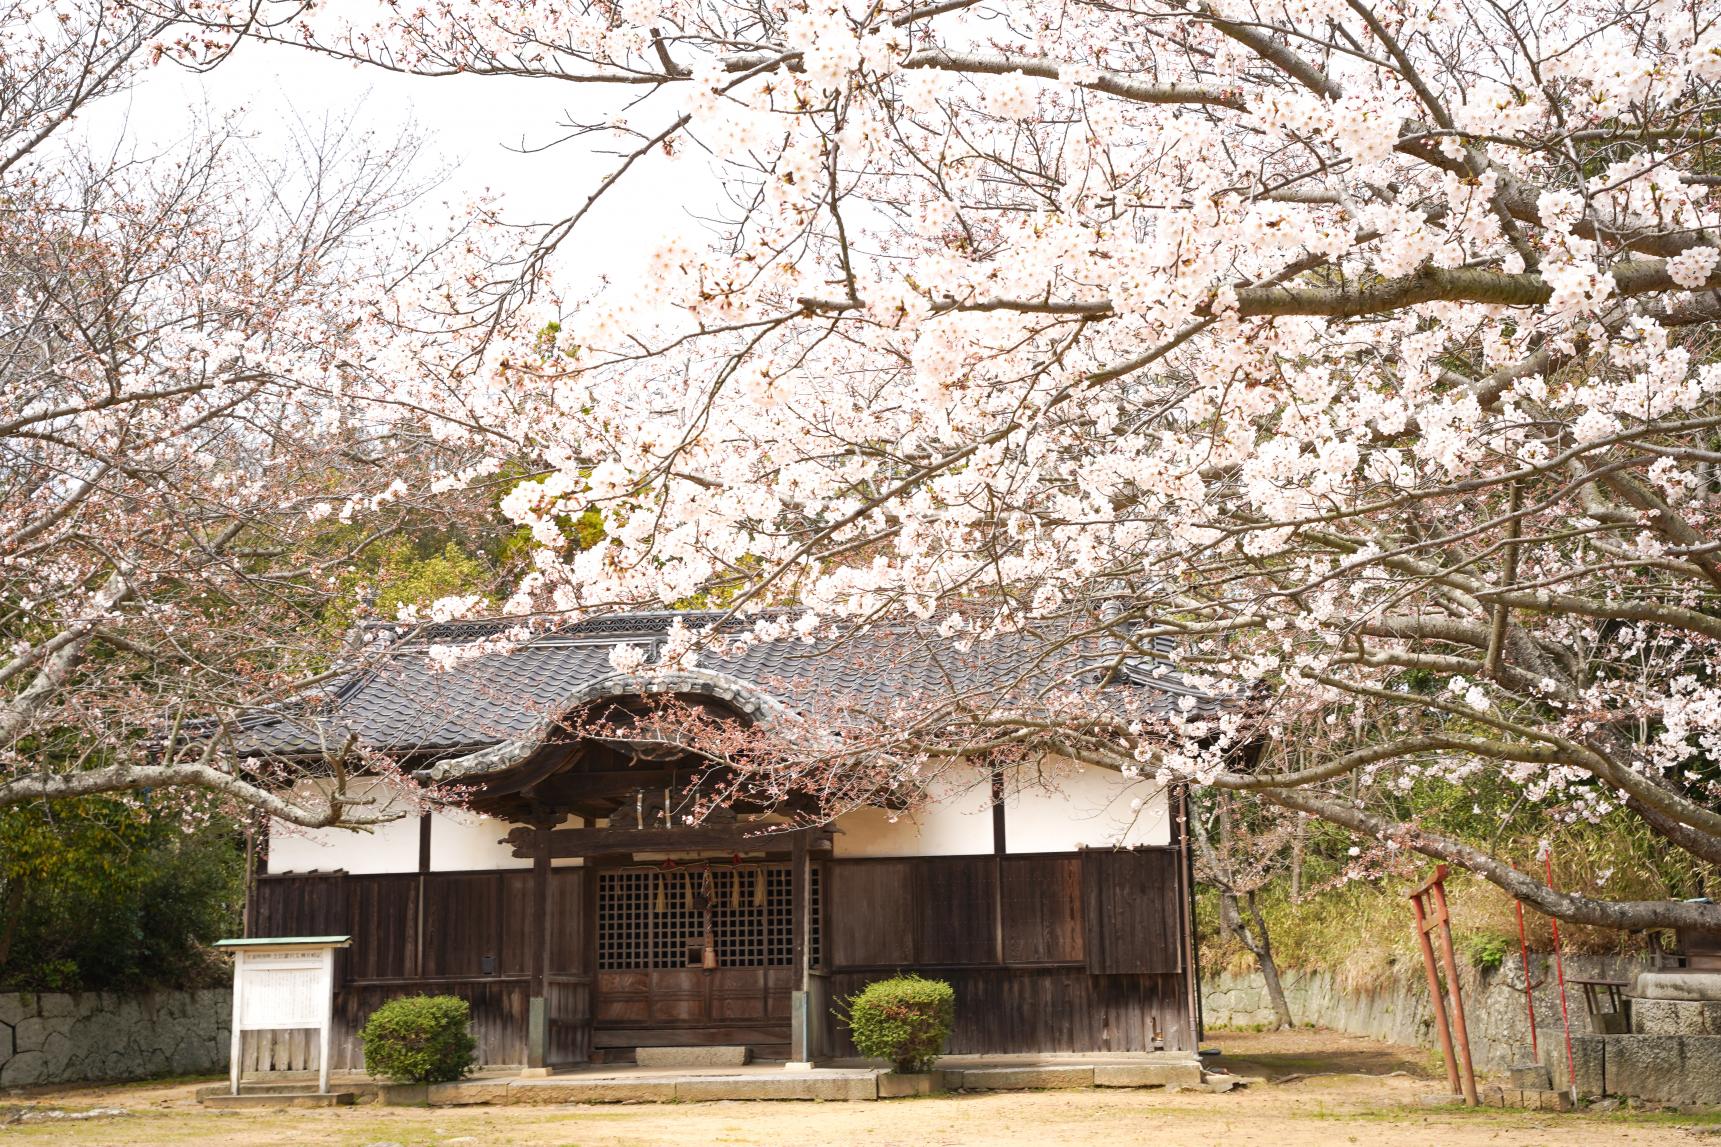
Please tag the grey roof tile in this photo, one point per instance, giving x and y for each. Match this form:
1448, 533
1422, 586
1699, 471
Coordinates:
401, 704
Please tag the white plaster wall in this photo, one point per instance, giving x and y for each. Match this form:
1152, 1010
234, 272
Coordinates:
1058, 806
461, 841
1062, 805
389, 847
958, 822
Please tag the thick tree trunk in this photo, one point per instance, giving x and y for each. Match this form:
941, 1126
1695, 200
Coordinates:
1270, 967
1252, 934
1253, 938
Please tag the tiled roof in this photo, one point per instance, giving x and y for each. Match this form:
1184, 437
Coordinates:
403, 705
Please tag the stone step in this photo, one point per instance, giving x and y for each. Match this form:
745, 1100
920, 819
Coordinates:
714, 1056
256, 1087
1023, 1078
281, 1099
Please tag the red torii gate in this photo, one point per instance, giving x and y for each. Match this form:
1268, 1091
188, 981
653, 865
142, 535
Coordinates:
1429, 903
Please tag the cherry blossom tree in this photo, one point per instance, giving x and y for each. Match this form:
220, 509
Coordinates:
197, 346
1362, 348
1239, 862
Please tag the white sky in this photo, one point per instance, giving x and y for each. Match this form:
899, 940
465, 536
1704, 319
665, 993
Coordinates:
472, 124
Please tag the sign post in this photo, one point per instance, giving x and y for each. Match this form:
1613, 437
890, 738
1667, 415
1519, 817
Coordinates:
283, 982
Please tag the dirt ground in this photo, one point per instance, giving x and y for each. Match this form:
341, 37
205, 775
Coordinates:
1318, 1088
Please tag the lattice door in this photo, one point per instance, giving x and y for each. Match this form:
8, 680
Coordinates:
654, 919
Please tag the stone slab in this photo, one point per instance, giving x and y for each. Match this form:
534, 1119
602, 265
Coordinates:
1662, 1068
592, 1091
1677, 986
464, 1094
1527, 1098
1676, 1017
895, 1085
692, 1057
1147, 1074
860, 1086
1531, 1075
305, 1086
1025, 1078
1588, 1055
241, 1102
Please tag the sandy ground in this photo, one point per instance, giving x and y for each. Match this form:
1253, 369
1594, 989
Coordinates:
1319, 1088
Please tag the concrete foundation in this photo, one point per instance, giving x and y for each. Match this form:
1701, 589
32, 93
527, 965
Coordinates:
851, 1082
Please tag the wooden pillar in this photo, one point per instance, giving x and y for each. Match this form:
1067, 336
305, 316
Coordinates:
538, 1018
999, 847
1178, 811
423, 891
800, 1023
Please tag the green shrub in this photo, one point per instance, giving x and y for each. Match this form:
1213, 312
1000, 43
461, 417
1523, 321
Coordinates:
904, 1019
420, 1039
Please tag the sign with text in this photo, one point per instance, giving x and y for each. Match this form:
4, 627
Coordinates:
285, 982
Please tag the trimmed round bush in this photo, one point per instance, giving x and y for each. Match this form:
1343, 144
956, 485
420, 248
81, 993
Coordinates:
420, 1039
905, 1019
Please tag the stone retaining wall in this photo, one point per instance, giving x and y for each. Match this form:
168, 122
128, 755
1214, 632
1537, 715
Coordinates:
70, 1038
1396, 1010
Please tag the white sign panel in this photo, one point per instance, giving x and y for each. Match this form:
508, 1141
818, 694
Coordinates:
283, 983
284, 996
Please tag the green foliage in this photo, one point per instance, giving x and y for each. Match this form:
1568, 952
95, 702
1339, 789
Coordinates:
407, 571
420, 1039
1487, 951
113, 894
905, 1019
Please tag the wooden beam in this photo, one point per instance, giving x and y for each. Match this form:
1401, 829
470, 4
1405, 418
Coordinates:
571, 842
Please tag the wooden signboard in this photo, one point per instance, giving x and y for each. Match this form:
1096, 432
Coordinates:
283, 982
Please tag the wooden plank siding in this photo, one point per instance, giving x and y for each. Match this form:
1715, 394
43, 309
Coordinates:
467, 917
1002, 1010
1047, 952
1133, 909
1042, 903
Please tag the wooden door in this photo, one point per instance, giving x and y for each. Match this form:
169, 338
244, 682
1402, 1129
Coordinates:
654, 928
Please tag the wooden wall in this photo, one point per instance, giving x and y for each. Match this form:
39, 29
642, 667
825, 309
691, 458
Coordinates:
464, 934
1053, 952
1056, 952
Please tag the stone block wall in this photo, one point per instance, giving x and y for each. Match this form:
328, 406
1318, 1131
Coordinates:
1396, 1009
50, 1037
